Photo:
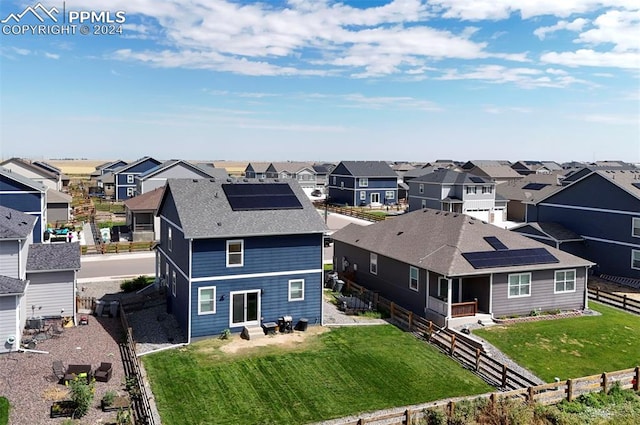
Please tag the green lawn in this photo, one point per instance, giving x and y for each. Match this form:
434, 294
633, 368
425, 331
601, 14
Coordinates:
571, 348
340, 372
4, 411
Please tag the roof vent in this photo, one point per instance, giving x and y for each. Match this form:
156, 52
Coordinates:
245, 180
399, 233
219, 224
195, 180
229, 180
446, 214
357, 240
471, 222
212, 180
437, 212
261, 180
455, 215
215, 195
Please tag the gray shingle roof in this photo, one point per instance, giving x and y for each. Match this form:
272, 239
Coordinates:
204, 211
514, 190
369, 168
290, 167
259, 167
35, 168
419, 172
445, 176
57, 197
10, 285
15, 224
53, 256
554, 231
133, 164
22, 179
435, 240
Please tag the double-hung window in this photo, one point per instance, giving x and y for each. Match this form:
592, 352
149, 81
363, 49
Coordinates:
235, 253
443, 288
169, 239
373, 263
635, 225
389, 194
363, 182
130, 178
471, 190
207, 300
173, 283
363, 195
296, 290
635, 259
519, 285
565, 281
421, 188
414, 276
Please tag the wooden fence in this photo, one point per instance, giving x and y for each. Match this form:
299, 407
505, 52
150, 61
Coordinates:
615, 300
544, 394
356, 212
85, 303
116, 248
140, 403
469, 355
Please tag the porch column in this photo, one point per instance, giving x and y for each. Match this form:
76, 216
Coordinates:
586, 289
491, 294
449, 296
428, 293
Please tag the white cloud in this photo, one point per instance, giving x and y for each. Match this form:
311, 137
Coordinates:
609, 119
492, 109
51, 55
620, 28
589, 57
575, 25
388, 102
21, 52
523, 77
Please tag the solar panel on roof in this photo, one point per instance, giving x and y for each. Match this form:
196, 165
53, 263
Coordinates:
535, 186
495, 243
477, 179
268, 196
508, 258
636, 185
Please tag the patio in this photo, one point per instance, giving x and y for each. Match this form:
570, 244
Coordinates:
28, 381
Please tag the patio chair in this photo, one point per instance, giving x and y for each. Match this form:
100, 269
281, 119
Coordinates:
103, 372
58, 370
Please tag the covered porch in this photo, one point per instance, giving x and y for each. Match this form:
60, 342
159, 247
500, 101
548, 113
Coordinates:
459, 300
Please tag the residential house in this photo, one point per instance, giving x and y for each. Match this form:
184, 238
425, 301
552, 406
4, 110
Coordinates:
499, 171
449, 267
16, 234
28, 196
141, 215
107, 167
303, 172
125, 177
233, 168
64, 179
457, 192
256, 170
363, 183
603, 208
519, 193
33, 172
175, 169
106, 185
236, 254
58, 207
322, 172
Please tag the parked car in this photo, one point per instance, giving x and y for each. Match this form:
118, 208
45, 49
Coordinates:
316, 193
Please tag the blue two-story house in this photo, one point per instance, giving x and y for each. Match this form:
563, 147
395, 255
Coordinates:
360, 183
125, 177
28, 196
603, 208
236, 254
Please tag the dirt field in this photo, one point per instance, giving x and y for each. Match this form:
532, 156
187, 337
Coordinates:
76, 167
615, 288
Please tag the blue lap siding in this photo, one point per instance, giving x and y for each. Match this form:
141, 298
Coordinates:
273, 301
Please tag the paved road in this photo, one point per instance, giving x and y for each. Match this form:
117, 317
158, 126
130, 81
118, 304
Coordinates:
114, 266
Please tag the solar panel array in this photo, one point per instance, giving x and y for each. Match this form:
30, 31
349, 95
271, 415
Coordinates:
477, 179
258, 196
535, 186
508, 258
495, 243
636, 185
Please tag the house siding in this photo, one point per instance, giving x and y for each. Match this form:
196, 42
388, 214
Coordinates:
179, 252
542, 294
121, 177
8, 323
273, 301
263, 254
178, 305
51, 292
9, 264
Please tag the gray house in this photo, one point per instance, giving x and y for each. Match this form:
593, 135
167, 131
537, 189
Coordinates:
16, 234
444, 266
141, 215
175, 169
457, 192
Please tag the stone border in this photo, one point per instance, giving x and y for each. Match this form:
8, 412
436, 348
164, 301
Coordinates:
539, 318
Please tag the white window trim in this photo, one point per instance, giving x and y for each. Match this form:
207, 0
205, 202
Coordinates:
363, 182
169, 239
334, 180
417, 287
519, 284
471, 190
421, 188
555, 281
293, 281
423, 203
131, 191
234, 241
634, 253
635, 226
373, 261
173, 283
363, 195
387, 192
130, 178
440, 295
203, 313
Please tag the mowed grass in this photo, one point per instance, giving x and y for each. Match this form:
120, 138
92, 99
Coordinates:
571, 348
4, 411
337, 373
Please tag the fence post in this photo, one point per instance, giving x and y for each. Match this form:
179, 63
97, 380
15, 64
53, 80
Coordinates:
375, 300
569, 390
392, 308
504, 375
410, 320
604, 383
408, 415
453, 344
477, 359
597, 293
451, 407
624, 302
430, 329
530, 395
493, 398
361, 421
636, 380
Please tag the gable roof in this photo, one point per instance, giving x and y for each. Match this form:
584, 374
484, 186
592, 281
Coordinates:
12, 286
149, 201
204, 170
290, 167
134, 163
368, 169
57, 197
258, 167
492, 169
204, 211
15, 224
446, 176
514, 190
22, 179
28, 165
554, 231
436, 241
53, 257
47, 166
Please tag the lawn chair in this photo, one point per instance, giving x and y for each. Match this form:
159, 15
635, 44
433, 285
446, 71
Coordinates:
58, 370
103, 372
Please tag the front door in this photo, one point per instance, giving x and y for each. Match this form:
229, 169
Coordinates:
375, 198
245, 308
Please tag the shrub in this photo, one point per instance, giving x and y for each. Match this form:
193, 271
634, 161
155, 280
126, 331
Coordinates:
136, 284
108, 398
225, 334
435, 417
81, 394
4, 411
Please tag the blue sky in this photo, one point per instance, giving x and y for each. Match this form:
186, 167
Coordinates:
324, 80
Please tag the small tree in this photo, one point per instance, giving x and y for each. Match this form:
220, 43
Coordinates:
82, 395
